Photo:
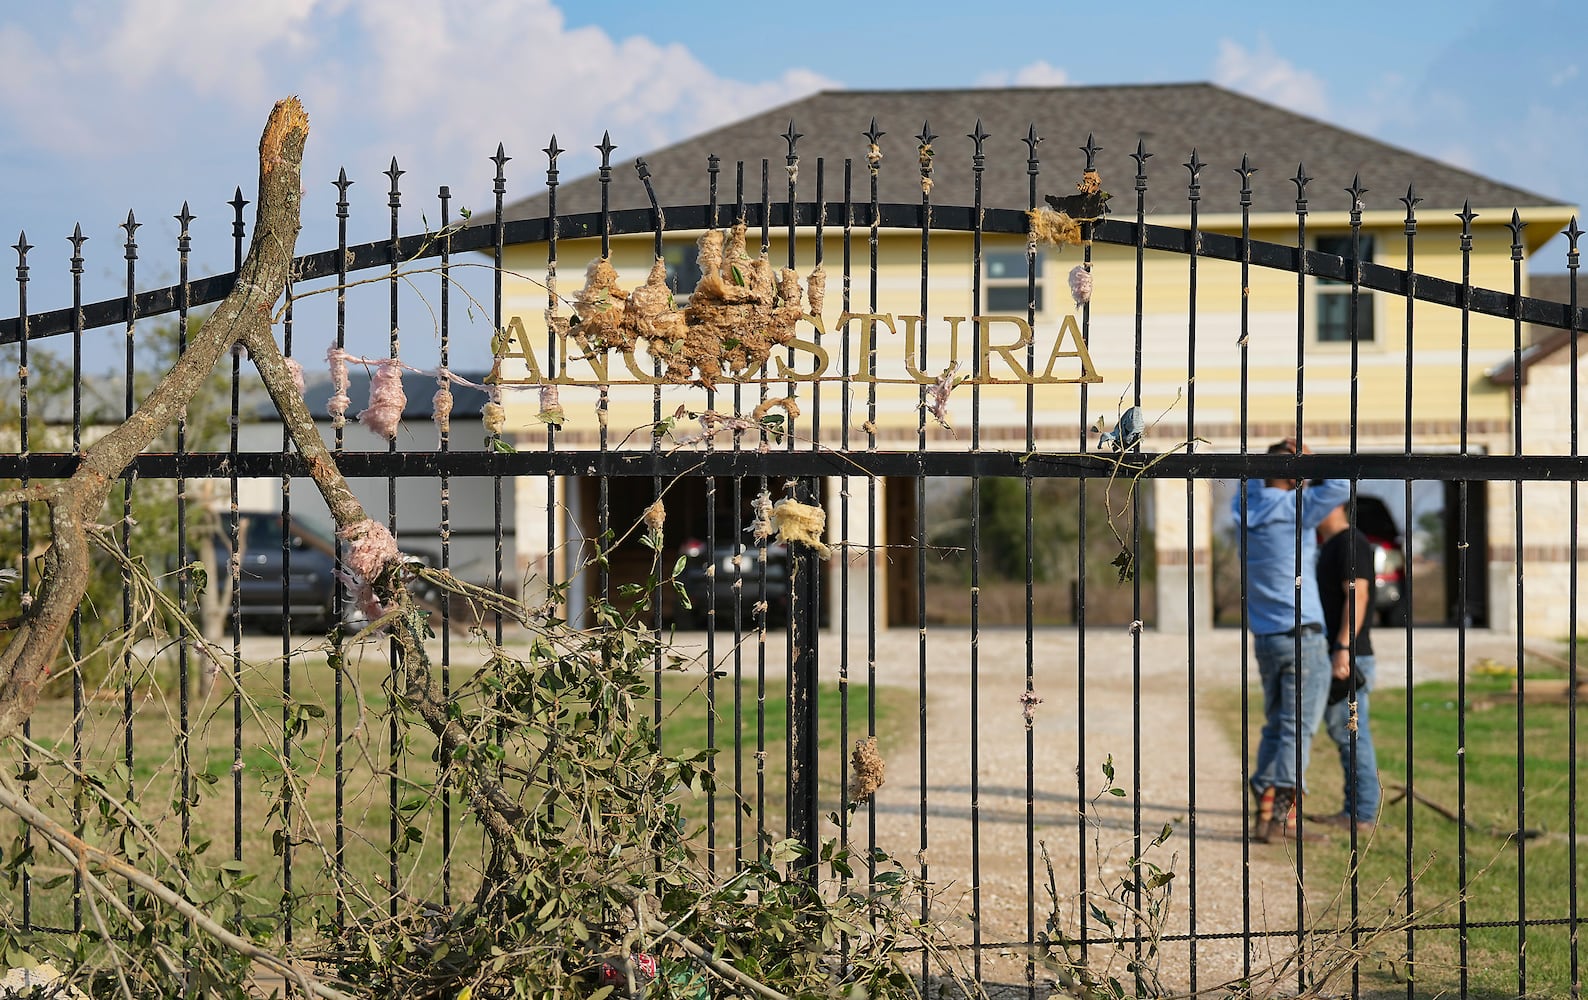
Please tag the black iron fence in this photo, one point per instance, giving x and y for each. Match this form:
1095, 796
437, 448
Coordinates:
1018, 599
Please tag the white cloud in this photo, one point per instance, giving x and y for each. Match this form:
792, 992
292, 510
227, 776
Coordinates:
513, 71
95, 79
111, 105
434, 82
213, 48
1038, 74
43, 114
1264, 74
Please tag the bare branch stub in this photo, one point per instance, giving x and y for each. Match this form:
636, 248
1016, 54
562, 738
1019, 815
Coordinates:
244, 316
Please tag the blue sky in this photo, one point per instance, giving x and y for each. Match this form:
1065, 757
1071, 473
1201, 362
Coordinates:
142, 104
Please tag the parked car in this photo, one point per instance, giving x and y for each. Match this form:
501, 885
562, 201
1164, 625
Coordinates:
1374, 520
311, 588
732, 575
311, 585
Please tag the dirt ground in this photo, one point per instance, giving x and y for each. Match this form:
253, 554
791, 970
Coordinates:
976, 827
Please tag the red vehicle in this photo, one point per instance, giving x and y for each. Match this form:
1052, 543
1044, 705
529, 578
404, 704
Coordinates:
1374, 520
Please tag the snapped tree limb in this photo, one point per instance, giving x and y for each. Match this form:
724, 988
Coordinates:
83, 852
243, 317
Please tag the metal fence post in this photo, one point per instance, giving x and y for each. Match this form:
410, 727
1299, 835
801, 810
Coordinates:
805, 625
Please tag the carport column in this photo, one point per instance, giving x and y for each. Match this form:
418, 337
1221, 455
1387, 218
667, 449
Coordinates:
1551, 548
1177, 565
851, 577
531, 498
1501, 526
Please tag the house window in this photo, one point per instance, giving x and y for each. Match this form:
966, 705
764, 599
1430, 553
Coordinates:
1003, 285
1334, 297
683, 269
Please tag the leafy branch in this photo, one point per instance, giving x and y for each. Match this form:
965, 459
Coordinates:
586, 843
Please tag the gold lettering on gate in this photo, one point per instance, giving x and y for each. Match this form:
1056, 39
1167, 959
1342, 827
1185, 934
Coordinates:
1088, 372
597, 362
787, 374
868, 330
512, 343
1006, 351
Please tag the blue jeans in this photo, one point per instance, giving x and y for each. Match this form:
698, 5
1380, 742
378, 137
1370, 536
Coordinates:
1361, 783
1276, 665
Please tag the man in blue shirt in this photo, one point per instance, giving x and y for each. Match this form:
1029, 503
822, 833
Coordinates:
1286, 619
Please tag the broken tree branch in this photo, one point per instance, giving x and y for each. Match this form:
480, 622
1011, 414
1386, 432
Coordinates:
244, 316
80, 850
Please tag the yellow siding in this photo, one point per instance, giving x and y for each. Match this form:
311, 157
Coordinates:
1271, 356
1272, 327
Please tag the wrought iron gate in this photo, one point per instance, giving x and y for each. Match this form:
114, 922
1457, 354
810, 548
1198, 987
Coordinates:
1006, 734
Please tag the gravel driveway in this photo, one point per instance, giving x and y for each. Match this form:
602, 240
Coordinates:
1216, 878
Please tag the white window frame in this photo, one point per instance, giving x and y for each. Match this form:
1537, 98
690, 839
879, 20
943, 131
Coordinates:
1339, 244
683, 267
993, 261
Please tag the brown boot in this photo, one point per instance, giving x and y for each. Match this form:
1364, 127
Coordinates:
1283, 825
1263, 815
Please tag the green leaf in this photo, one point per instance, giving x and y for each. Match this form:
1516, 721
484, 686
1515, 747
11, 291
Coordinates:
1100, 916
1125, 562
738, 279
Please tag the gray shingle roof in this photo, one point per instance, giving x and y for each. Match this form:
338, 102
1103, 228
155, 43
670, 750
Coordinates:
1171, 119
419, 391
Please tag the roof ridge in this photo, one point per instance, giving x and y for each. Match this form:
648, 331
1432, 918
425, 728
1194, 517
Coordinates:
893, 92
1220, 123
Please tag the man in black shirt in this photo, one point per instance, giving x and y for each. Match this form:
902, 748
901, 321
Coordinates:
1345, 585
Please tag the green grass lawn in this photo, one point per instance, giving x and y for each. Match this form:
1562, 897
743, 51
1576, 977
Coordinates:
749, 733
1505, 876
